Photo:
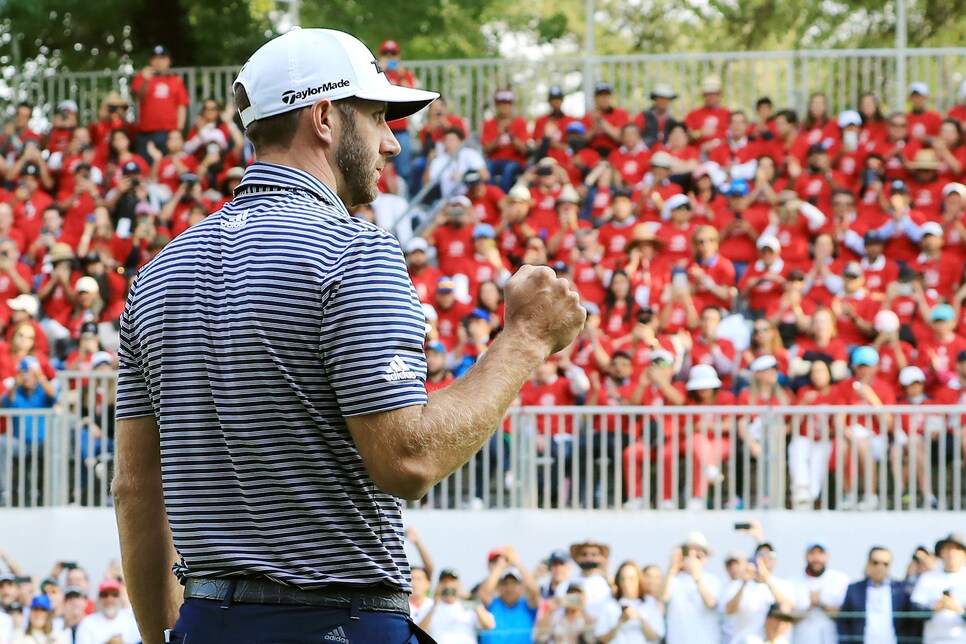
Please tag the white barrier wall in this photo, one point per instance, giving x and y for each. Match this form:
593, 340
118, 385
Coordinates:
461, 539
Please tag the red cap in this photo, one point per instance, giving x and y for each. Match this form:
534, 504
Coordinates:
494, 554
389, 47
109, 585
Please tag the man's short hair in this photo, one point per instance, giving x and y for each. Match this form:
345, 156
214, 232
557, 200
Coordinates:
788, 115
764, 100
875, 549
458, 131
268, 133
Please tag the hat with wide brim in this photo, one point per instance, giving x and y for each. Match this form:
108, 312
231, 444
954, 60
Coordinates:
575, 548
925, 160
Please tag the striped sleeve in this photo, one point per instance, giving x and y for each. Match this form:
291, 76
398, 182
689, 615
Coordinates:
133, 398
373, 330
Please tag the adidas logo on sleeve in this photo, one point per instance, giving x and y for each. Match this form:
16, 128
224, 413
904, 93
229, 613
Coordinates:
399, 370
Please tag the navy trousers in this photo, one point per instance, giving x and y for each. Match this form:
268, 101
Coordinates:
204, 621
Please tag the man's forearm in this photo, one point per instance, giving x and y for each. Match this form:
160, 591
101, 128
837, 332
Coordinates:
147, 554
147, 549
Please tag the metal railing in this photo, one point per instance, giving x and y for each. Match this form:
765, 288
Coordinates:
788, 77
827, 458
633, 458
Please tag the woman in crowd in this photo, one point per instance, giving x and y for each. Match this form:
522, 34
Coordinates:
619, 306
634, 615
40, 625
489, 297
765, 341
810, 448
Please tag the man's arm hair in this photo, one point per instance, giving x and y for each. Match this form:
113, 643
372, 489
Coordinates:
147, 548
408, 450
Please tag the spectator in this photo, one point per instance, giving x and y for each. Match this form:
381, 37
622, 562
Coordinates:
655, 123
810, 447
511, 594
708, 348
452, 235
938, 349
18, 132
766, 277
450, 311
592, 557
168, 169
431, 137
750, 597
210, 133
453, 162
558, 580
708, 122
619, 308
449, 621
703, 436
763, 390
634, 615
111, 620
390, 60
874, 126
162, 101
29, 202
40, 627
778, 625
630, 160
419, 601
656, 187
820, 592
685, 157
691, 594
874, 603
712, 275
923, 122
568, 624
822, 343
942, 592
504, 140
604, 120
31, 390
75, 610
549, 130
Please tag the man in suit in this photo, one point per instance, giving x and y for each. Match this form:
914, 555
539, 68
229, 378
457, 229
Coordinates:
873, 603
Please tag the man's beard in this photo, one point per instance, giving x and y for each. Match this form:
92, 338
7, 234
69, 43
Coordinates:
355, 162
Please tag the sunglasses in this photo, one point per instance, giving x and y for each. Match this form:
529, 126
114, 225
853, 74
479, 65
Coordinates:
110, 594
880, 563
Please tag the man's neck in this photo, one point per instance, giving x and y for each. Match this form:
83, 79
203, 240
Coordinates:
312, 162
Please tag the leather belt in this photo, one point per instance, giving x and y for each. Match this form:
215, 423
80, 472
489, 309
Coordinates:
378, 599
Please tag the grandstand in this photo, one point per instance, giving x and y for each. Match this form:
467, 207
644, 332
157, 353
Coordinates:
771, 255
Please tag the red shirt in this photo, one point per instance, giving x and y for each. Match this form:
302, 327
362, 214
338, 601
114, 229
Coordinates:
405, 78
880, 273
487, 205
816, 425
888, 362
736, 245
454, 244
615, 236
706, 123
587, 281
505, 151
721, 271
617, 322
640, 352
835, 349
630, 164
927, 198
924, 124
425, 283
435, 134
168, 173
583, 354
845, 394
449, 320
553, 394
647, 208
617, 116
937, 358
432, 385
540, 125
941, 274
158, 107
760, 294
865, 308
677, 242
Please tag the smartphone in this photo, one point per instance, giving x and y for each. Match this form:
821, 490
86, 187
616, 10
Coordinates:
23, 580
68, 565
947, 593
742, 526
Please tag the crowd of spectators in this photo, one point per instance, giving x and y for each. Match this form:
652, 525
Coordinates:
724, 256
582, 595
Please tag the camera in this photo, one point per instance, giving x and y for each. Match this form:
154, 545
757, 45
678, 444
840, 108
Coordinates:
448, 592
742, 526
135, 183
68, 565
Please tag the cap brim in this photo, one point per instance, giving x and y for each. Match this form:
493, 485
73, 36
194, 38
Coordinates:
400, 101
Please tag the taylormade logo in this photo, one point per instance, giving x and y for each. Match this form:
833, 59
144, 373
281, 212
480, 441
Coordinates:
292, 96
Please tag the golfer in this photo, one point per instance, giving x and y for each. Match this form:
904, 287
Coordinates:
271, 406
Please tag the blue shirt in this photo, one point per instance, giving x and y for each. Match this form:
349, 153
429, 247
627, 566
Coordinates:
23, 399
250, 338
514, 625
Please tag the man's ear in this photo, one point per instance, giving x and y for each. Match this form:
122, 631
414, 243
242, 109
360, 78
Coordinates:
322, 113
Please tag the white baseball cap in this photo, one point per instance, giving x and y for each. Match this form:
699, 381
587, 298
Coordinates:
849, 117
919, 88
931, 228
302, 66
769, 241
911, 374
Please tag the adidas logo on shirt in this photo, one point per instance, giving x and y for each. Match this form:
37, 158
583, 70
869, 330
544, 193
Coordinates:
399, 370
336, 635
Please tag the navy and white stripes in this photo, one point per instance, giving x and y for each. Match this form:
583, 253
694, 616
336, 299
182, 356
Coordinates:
250, 338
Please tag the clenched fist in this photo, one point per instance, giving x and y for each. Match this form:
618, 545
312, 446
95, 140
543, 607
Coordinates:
543, 308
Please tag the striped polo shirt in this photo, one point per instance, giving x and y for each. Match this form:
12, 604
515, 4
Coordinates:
250, 338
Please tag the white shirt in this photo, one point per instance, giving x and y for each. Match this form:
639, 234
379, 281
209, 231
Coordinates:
688, 619
451, 175
631, 631
946, 626
97, 629
756, 599
419, 614
454, 624
6, 628
879, 627
597, 593
817, 627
